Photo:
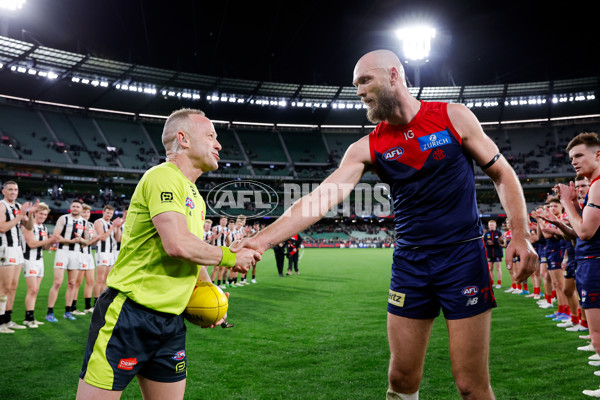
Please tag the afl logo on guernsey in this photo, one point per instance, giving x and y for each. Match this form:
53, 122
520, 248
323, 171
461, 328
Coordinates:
393, 154
434, 140
190, 203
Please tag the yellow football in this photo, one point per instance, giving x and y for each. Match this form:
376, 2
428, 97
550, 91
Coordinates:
208, 304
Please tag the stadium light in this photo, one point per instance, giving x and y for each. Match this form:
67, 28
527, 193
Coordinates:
416, 41
12, 5
416, 45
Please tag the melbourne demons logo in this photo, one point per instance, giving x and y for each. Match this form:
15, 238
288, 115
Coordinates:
439, 155
180, 355
393, 154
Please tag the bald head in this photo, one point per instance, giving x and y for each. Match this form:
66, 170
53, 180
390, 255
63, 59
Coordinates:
379, 59
179, 121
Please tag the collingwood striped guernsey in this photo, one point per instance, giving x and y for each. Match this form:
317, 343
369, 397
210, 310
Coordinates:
222, 240
91, 232
72, 227
109, 244
11, 238
40, 232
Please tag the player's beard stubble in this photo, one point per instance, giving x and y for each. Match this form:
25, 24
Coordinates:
383, 105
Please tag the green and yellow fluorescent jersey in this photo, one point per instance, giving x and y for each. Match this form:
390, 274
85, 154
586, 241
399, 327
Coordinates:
143, 270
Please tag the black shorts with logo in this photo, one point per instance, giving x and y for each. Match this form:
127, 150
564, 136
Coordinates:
127, 339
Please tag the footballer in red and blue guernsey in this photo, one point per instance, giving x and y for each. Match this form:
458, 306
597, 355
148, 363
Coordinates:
493, 248
562, 227
424, 151
584, 152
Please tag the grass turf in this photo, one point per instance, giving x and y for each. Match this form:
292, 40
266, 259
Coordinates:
319, 335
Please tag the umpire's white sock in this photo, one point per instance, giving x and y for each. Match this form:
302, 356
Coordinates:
391, 395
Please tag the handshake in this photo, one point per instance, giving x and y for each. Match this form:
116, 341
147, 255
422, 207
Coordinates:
248, 252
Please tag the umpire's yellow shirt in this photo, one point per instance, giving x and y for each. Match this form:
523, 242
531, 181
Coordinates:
143, 271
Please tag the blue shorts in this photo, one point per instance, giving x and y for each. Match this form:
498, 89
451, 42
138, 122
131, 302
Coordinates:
127, 339
494, 254
554, 259
542, 254
454, 278
571, 269
588, 282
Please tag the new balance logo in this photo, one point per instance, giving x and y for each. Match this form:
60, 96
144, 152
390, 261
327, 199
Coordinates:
472, 301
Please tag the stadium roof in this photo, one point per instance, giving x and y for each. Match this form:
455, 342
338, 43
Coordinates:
317, 42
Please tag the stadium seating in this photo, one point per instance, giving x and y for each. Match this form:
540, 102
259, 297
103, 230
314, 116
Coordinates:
66, 133
96, 148
305, 146
380, 235
32, 139
133, 148
38, 135
262, 145
338, 142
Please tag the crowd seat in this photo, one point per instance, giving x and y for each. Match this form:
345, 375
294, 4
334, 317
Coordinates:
305, 146
32, 140
262, 145
66, 133
133, 149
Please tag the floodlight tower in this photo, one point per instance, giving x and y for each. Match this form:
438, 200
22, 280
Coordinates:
8, 9
416, 45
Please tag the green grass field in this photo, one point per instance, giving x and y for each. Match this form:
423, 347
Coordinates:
319, 335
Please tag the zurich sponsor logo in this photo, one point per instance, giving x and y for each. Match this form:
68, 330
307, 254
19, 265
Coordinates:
470, 291
180, 355
393, 154
434, 140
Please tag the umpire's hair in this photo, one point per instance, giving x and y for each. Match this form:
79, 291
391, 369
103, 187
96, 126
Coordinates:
177, 121
590, 139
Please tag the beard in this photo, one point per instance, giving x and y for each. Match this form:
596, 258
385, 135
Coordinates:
382, 107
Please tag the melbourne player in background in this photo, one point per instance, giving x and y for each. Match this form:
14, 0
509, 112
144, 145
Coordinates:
493, 248
584, 152
424, 151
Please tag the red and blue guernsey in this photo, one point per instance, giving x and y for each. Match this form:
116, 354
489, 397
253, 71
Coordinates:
588, 249
431, 178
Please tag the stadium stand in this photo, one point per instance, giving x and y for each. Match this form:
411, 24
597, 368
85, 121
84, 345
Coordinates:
31, 136
66, 133
97, 126
130, 141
